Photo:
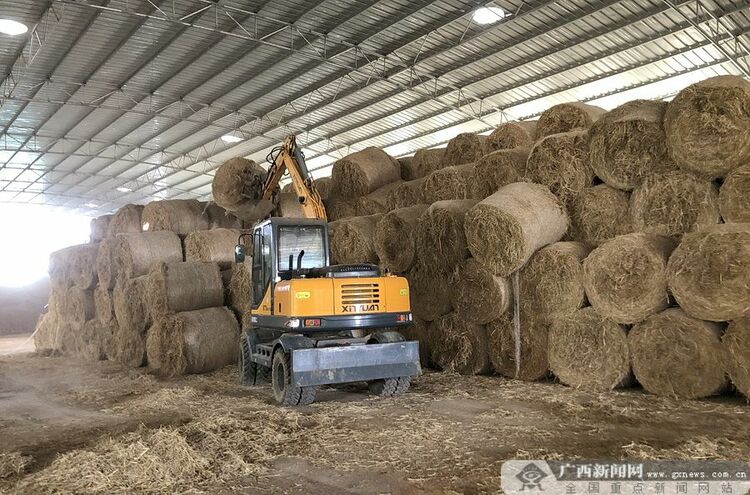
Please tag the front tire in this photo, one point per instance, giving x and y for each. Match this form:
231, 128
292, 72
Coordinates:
389, 387
281, 382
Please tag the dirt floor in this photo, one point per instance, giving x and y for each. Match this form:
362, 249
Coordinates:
75, 427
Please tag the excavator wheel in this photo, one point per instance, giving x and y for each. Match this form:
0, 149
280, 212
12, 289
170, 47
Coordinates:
281, 378
389, 387
251, 373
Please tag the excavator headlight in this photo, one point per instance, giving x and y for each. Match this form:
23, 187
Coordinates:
292, 323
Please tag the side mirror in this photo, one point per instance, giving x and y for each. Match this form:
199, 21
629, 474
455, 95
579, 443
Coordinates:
239, 253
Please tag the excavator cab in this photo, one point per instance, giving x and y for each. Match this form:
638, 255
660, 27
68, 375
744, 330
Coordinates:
314, 324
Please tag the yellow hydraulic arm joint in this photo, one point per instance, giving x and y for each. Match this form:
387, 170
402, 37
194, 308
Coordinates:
290, 158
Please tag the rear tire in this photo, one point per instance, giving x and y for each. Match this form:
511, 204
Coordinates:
281, 382
251, 373
390, 387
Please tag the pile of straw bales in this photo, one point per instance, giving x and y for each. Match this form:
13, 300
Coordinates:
148, 290
594, 247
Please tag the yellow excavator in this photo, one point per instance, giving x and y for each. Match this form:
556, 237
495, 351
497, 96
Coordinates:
313, 323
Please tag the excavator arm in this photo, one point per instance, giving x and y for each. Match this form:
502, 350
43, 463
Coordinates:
289, 157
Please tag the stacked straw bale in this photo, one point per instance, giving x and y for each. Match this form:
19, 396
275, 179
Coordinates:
567, 117
505, 229
176, 287
589, 351
512, 135
193, 341
561, 162
407, 193
599, 214
709, 272
736, 347
478, 295
708, 126
452, 182
678, 356
628, 144
426, 161
674, 203
626, 277
459, 346
126, 220
99, 228
440, 238
180, 216
352, 240
734, 196
136, 253
363, 172
376, 202
237, 187
463, 149
395, 239
498, 169
216, 246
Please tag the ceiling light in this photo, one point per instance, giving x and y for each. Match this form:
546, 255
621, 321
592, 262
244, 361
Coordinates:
489, 15
91, 205
146, 226
12, 28
124, 189
231, 138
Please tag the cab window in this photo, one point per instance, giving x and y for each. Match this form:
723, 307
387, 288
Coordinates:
295, 239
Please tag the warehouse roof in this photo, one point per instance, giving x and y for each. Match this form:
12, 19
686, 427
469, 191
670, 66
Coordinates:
108, 102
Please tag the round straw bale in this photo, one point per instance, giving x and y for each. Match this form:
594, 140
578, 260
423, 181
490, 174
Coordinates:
505, 229
429, 291
600, 213
324, 186
105, 263
736, 343
567, 117
408, 171
498, 169
135, 254
289, 206
363, 172
240, 287
340, 209
352, 240
588, 351
512, 135
427, 161
175, 287
236, 182
92, 340
419, 330
440, 238
678, 356
734, 196
464, 148
103, 304
395, 237
560, 162
628, 144
193, 341
219, 218
407, 193
99, 228
375, 202
61, 267
533, 347
129, 343
459, 346
79, 306
626, 277
181, 216
478, 295
674, 203
126, 220
708, 126
45, 333
449, 183
709, 272
215, 245
551, 283
83, 269
289, 188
